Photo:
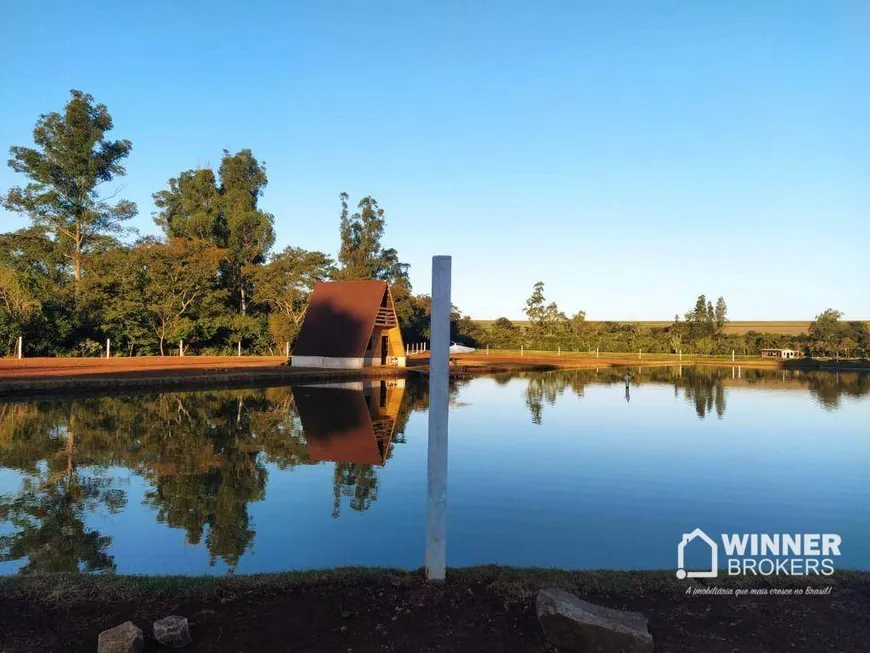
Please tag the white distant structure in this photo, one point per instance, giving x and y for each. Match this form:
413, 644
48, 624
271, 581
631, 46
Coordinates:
460, 349
783, 354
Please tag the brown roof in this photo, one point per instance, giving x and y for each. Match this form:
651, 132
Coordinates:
340, 319
337, 425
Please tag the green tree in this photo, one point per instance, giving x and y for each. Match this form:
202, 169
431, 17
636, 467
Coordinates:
70, 163
250, 230
223, 212
285, 285
826, 331
179, 283
721, 313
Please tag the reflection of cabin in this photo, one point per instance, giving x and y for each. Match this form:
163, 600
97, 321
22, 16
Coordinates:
779, 353
350, 324
350, 422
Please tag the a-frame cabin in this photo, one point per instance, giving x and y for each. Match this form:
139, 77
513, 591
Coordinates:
350, 324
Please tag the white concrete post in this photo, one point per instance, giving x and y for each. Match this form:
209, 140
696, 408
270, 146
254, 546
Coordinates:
596, 352
240, 347
732, 355
639, 354
108, 348
287, 349
487, 350
522, 351
439, 371
558, 351
681, 354
181, 347
20, 347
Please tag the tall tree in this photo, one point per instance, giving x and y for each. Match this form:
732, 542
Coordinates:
361, 254
72, 159
721, 313
827, 330
222, 211
250, 230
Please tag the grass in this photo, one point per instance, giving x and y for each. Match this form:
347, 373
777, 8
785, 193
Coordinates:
513, 583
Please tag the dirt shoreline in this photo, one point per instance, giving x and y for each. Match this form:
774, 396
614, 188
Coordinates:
63, 375
478, 609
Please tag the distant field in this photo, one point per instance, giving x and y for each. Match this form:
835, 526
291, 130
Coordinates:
789, 328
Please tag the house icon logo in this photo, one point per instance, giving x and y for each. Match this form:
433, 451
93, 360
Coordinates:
712, 572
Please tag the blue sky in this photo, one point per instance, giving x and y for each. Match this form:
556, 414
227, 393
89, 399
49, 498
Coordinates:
631, 155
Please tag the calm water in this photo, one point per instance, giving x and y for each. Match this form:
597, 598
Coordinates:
554, 469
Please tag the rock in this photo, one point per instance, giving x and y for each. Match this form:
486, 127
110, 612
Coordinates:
126, 638
581, 627
172, 631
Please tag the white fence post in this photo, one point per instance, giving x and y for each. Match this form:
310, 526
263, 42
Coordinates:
681, 354
596, 352
439, 371
180, 348
287, 349
20, 347
108, 348
639, 354
487, 350
558, 351
522, 351
732, 355
240, 347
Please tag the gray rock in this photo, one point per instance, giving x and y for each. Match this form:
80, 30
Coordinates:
172, 631
126, 638
581, 627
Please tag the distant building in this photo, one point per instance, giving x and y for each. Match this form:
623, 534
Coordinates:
779, 353
350, 324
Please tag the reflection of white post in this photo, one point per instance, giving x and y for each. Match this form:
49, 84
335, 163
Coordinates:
108, 348
439, 369
20, 346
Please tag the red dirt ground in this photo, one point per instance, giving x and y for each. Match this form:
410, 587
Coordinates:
133, 367
398, 614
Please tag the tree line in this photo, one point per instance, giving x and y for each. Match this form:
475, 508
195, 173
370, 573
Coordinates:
78, 275
69, 280
701, 330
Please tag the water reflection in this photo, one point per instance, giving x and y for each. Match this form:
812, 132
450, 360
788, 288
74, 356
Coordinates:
204, 455
703, 388
201, 464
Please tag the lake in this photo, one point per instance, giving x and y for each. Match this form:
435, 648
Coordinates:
555, 469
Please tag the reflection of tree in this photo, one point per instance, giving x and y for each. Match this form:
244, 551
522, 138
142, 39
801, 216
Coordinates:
829, 387
703, 387
53, 445
212, 487
51, 532
359, 482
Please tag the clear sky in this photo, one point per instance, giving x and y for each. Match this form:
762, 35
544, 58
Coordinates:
631, 155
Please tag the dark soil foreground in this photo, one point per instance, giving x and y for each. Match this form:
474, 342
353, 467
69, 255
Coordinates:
480, 609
